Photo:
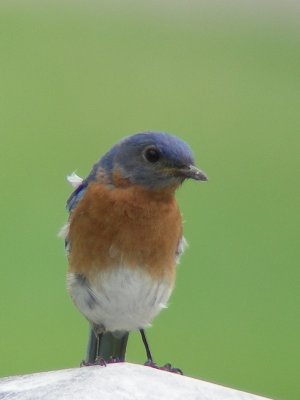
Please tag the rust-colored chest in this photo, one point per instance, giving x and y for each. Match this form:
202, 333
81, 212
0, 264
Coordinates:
125, 226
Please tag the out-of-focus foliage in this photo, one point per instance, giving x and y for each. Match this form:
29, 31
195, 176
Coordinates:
78, 76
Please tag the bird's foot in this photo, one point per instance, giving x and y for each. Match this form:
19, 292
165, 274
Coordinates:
151, 363
167, 367
100, 361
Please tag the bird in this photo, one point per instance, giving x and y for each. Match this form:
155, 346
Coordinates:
124, 238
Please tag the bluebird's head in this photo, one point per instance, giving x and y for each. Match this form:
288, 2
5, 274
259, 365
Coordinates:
150, 159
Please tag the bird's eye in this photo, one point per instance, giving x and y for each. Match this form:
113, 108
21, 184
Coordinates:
152, 154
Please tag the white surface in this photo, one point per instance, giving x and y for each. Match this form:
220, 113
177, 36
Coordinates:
121, 381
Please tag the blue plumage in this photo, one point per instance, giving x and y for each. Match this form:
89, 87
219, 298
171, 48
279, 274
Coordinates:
128, 156
76, 196
153, 160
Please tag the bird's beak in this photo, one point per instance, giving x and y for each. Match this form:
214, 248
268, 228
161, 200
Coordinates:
192, 172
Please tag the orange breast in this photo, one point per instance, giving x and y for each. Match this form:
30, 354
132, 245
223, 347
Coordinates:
128, 226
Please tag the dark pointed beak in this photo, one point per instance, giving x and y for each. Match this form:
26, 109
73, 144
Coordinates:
192, 172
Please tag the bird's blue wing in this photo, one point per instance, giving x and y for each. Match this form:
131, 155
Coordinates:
80, 186
76, 196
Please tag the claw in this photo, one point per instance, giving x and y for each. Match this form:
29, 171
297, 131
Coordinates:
151, 364
167, 367
99, 361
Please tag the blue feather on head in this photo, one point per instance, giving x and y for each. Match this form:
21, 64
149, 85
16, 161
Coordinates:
150, 159
153, 160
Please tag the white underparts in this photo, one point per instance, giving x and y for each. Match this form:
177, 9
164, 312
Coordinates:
121, 299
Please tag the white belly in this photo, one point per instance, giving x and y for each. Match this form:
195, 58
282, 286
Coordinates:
125, 299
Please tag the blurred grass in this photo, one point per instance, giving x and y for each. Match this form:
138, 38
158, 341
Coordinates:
74, 80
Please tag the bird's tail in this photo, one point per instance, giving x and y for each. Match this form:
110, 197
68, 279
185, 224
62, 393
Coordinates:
106, 346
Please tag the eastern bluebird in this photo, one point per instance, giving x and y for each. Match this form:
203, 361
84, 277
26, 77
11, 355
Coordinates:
124, 238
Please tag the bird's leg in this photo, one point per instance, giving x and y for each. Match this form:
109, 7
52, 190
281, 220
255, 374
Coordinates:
147, 348
105, 347
92, 356
150, 363
98, 359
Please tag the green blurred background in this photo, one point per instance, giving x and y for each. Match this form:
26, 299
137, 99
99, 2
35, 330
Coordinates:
76, 77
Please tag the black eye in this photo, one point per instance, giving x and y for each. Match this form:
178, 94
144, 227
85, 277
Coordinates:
152, 154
